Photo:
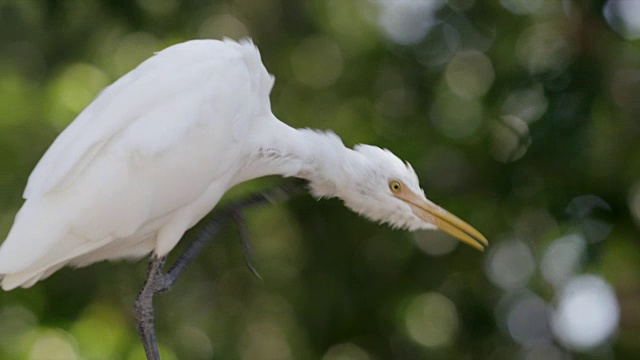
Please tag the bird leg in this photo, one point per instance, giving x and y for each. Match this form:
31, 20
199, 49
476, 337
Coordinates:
159, 282
143, 307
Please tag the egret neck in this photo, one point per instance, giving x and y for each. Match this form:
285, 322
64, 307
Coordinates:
317, 156
370, 181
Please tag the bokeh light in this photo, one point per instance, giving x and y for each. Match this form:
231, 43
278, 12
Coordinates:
223, 25
434, 243
510, 264
586, 313
522, 7
562, 259
346, 351
17, 324
73, 90
407, 21
53, 344
101, 331
624, 17
354, 24
511, 139
543, 47
546, 351
528, 104
265, 339
469, 74
197, 341
528, 321
431, 320
587, 212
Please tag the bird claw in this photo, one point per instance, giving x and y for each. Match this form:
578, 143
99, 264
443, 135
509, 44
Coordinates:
247, 250
251, 268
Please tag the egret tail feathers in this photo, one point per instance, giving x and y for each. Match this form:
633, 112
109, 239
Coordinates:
78, 253
35, 231
12, 281
50, 263
26, 279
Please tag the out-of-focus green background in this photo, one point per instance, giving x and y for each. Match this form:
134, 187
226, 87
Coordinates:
520, 116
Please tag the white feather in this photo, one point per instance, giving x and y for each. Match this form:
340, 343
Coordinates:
152, 145
155, 152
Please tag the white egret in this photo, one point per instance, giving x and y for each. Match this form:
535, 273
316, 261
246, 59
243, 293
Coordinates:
157, 149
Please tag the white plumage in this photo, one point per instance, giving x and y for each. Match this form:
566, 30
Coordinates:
156, 150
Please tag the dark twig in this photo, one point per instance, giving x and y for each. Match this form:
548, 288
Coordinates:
158, 282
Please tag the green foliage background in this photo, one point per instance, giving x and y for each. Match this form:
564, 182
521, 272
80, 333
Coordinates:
520, 117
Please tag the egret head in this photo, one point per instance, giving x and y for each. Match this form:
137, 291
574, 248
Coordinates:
378, 185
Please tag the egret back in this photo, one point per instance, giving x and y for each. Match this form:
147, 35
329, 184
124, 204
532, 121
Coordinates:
171, 72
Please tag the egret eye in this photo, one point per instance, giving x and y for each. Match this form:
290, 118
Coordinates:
395, 186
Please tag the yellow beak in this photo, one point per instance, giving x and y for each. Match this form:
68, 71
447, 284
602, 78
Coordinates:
444, 220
